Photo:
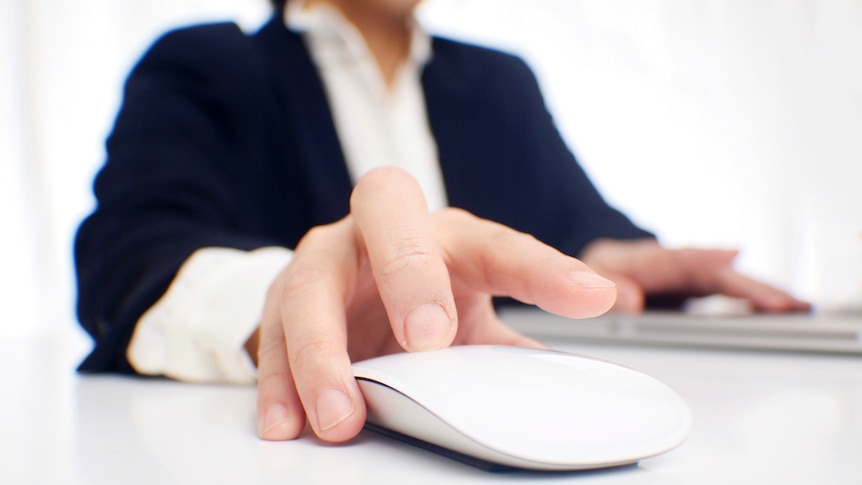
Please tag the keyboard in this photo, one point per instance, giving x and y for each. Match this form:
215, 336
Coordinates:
829, 331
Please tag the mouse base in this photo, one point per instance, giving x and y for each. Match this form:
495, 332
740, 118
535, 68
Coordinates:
479, 463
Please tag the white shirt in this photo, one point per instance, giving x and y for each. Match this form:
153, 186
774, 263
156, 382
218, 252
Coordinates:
197, 330
376, 126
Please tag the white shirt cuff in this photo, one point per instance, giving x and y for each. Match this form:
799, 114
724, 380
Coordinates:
198, 329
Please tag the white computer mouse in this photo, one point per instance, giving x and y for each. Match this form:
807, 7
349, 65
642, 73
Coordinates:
522, 408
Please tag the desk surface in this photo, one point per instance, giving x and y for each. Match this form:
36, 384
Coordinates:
758, 418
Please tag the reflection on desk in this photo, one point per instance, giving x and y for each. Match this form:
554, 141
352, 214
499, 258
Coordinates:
758, 418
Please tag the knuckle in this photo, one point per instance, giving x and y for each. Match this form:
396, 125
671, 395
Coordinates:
455, 216
276, 378
306, 356
268, 349
405, 253
316, 234
300, 279
380, 179
295, 283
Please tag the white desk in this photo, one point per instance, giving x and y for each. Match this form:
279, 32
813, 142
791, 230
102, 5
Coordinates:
759, 418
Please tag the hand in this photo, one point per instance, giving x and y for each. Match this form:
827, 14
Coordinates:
641, 267
392, 277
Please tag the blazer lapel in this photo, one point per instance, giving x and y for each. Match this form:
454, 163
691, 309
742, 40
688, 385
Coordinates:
300, 91
456, 125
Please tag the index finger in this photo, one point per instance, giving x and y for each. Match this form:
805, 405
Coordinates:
392, 218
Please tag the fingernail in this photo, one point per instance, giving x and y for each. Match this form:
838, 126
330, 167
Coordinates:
333, 407
591, 280
275, 417
427, 327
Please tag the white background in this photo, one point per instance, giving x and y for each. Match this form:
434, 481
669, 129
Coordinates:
730, 123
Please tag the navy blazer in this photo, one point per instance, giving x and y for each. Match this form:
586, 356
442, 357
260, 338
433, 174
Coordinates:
226, 139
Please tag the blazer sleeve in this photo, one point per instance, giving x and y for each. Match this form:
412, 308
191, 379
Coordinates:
171, 183
502, 155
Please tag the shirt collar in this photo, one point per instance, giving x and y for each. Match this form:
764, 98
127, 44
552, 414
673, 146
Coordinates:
338, 37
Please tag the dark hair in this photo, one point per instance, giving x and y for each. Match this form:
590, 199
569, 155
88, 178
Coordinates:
278, 3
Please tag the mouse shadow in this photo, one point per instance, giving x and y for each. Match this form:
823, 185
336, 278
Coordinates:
496, 468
